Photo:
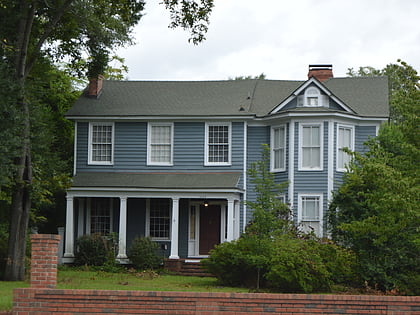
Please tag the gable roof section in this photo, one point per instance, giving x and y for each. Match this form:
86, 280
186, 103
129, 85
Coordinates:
184, 181
311, 81
365, 96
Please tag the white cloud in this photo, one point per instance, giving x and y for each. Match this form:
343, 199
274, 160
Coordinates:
279, 38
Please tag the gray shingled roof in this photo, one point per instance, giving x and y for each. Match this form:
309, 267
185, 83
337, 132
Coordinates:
192, 181
366, 96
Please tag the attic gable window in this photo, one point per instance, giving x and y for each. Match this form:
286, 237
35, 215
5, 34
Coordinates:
101, 143
218, 144
312, 97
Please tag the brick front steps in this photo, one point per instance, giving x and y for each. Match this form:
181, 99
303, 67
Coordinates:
186, 267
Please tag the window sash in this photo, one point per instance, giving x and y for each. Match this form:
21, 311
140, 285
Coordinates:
345, 140
218, 144
278, 148
311, 147
101, 143
310, 214
159, 218
160, 144
100, 216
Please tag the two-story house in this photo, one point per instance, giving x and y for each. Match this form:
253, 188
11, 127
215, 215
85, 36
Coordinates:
169, 160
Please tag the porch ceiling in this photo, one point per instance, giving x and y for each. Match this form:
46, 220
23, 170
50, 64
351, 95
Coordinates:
190, 181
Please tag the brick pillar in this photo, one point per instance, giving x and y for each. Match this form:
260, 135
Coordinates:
44, 260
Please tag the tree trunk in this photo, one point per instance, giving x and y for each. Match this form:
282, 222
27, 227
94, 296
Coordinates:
20, 208
21, 202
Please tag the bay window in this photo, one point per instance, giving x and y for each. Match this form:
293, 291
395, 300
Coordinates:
310, 149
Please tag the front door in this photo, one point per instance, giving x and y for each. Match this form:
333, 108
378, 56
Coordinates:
209, 228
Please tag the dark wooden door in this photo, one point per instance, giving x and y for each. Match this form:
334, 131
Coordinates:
209, 228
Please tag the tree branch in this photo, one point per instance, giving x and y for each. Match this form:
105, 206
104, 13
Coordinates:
50, 27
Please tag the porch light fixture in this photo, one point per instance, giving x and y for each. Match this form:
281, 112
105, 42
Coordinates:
206, 203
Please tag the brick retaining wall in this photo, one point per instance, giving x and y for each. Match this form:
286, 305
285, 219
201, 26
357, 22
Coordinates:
53, 301
42, 298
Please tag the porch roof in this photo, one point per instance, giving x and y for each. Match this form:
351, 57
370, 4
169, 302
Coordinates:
188, 181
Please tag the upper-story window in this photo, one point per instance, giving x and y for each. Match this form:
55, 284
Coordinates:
345, 139
278, 148
310, 148
101, 143
218, 144
160, 143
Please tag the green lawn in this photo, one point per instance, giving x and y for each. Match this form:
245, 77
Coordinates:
77, 279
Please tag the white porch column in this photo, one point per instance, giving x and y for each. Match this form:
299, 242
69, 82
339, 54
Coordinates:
69, 246
174, 229
122, 242
230, 223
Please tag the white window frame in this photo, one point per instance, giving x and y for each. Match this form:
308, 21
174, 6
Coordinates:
89, 215
321, 146
320, 197
90, 143
148, 222
149, 143
309, 95
339, 147
273, 149
206, 149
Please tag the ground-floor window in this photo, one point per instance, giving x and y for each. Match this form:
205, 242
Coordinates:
100, 215
310, 213
159, 218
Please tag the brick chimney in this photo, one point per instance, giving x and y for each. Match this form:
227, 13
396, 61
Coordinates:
320, 72
95, 86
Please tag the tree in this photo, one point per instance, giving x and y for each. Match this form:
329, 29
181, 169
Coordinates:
270, 214
61, 30
375, 212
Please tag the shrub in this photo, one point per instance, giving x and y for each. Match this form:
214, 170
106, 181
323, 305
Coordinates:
143, 253
296, 266
240, 263
91, 250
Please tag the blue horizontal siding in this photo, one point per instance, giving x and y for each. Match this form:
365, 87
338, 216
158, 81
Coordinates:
130, 149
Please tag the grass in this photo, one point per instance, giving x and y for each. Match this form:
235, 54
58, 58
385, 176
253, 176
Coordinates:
143, 281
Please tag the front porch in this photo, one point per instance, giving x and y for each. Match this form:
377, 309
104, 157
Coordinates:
183, 227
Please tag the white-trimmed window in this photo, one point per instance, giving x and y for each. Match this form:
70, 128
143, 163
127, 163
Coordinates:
218, 144
101, 216
101, 143
278, 148
310, 148
160, 144
312, 97
158, 218
310, 213
345, 139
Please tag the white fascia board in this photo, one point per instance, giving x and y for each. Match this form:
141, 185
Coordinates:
321, 114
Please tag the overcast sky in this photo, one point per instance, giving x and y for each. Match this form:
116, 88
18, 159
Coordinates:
279, 38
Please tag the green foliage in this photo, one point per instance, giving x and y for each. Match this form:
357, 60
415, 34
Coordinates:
375, 212
270, 214
284, 263
143, 253
95, 250
297, 267
190, 15
242, 262
271, 253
